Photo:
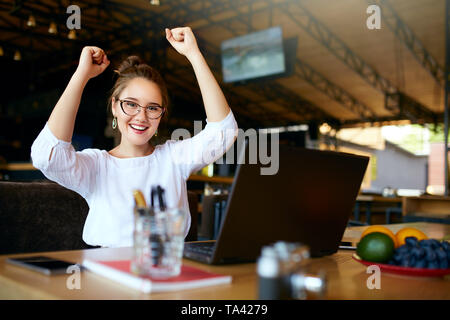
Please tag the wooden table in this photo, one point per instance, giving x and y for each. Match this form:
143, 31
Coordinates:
213, 179
346, 278
370, 200
431, 208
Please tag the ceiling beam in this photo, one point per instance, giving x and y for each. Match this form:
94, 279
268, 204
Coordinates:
410, 40
336, 93
303, 18
273, 90
302, 70
409, 107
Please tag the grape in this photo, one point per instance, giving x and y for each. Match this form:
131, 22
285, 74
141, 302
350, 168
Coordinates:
422, 263
411, 241
435, 244
425, 243
403, 249
412, 261
418, 252
407, 260
397, 258
430, 255
441, 254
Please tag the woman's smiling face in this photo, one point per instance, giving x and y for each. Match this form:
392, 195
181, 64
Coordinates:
137, 130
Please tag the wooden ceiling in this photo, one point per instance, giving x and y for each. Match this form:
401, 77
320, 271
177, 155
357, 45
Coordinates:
343, 71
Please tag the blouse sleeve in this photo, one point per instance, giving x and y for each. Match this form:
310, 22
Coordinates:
59, 162
205, 147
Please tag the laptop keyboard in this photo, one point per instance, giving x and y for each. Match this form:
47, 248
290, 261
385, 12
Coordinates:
203, 248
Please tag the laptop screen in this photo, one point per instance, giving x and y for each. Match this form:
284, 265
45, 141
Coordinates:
308, 200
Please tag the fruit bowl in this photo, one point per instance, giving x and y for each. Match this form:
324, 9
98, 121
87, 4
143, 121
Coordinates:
406, 271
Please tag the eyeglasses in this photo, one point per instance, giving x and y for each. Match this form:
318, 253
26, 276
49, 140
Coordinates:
153, 111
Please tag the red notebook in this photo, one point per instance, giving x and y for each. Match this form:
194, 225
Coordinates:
189, 278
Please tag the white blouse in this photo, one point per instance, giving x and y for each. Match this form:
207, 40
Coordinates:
107, 182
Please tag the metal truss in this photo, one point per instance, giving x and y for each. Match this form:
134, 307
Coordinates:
303, 18
302, 70
409, 108
271, 90
409, 39
313, 77
117, 33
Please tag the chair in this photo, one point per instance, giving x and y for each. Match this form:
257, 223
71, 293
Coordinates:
393, 210
32, 218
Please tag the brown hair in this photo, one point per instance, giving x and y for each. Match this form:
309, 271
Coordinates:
133, 67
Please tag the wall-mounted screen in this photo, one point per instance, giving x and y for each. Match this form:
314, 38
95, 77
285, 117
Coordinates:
255, 55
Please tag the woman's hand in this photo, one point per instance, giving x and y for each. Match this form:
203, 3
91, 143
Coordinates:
93, 61
183, 40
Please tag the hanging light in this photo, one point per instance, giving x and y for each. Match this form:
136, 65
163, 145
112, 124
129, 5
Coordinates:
52, 29
1, 52
72, 35
17, 56
31, 21
154, 2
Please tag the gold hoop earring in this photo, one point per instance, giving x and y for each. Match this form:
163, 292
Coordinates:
114, 123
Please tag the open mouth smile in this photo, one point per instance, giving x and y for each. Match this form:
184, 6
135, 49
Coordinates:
138, 129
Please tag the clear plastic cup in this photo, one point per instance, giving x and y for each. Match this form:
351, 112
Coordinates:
158, 242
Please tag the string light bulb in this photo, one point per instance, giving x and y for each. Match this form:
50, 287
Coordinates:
31, 21
154, 2
1, 52
17, 56
72, 35
52, 29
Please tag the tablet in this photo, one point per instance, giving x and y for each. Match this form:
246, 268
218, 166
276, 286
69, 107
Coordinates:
346, 245
45, 265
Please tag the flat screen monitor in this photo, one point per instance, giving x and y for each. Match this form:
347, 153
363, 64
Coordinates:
255, 55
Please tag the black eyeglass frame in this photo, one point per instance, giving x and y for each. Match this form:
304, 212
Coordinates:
141, 107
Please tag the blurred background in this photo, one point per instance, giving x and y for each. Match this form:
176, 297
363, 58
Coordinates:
366, 77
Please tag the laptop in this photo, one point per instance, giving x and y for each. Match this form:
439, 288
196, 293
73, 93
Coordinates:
309, 200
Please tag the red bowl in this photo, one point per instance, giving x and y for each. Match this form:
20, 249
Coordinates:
406, 271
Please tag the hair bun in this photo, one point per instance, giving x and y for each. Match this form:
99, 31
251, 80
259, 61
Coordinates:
129, 63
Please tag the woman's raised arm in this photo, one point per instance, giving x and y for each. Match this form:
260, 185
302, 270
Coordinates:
93, 61
183, 41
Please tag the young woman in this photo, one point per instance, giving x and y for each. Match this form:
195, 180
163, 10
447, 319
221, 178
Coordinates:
106, 179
